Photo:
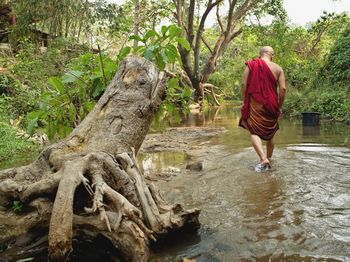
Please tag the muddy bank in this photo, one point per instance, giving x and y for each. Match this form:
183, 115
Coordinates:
179, 150
181, 139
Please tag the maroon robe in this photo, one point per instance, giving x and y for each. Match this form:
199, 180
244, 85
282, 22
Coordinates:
260, 110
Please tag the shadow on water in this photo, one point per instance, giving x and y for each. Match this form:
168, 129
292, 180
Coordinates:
298, 211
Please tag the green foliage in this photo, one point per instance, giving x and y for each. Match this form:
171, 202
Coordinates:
17, 206
332, 104
72, 96
316, 72
16, 99
160, 47
33, 68
337, 67
177, 102
26, 76
10, 144
6, 84
177, 94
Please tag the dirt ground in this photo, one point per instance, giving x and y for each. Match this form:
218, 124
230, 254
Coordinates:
180, 139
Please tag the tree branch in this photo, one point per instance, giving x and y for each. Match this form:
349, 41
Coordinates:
200, 30
230, 16
183, 52
207, 45
235, 34
190, 32
218, 18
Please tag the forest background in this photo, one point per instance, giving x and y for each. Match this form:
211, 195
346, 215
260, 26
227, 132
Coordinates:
57, 57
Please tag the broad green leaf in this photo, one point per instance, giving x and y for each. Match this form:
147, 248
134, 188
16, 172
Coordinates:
50, 129
160, 62
164, 56
172, 48
124, 52
110, 71
150, 33
164, 29
67, 130
174, 31
97, 75
61, 131
57, 84
33, 123
173, 83
35, 114
71, 76
170, 107
149, 53
171, 57
98, 89
184, 43
140, 49
136, 37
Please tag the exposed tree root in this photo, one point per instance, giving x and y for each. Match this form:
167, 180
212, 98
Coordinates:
89, 183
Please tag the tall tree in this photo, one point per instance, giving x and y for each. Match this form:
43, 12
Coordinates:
229, 26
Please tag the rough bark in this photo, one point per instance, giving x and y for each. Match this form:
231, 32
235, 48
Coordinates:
98, 156
229, 30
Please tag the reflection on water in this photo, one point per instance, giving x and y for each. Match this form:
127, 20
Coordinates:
300, 211
311, 131
161, 162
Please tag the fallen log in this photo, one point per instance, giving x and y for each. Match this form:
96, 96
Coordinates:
89, 183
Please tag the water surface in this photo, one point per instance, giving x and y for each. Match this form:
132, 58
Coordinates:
299, 211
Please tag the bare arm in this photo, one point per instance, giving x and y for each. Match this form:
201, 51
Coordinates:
281, 88
244, 82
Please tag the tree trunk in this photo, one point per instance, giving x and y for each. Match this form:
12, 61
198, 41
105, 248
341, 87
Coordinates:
98, 157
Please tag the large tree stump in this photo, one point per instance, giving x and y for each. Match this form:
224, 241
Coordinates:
99, 156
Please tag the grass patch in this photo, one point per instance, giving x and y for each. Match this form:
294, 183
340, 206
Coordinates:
14, 148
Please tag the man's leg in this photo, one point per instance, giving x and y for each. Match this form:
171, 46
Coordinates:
270, 145
257, 144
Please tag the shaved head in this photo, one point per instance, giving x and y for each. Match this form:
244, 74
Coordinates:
266, 50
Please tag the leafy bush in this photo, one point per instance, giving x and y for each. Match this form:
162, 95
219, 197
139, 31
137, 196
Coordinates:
10, 144
160, 47
337, 67
295, 103
72, 96
333, 104
16, 99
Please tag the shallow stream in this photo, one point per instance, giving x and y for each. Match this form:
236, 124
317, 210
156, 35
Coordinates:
298, 211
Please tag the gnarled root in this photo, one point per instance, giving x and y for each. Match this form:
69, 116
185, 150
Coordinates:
89, 183
161, 217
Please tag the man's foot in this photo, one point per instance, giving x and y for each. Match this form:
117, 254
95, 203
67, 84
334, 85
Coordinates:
262, 167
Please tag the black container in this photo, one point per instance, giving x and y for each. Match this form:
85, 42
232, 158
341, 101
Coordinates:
311, 118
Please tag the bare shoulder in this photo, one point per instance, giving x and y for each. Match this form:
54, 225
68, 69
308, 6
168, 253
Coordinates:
277, 67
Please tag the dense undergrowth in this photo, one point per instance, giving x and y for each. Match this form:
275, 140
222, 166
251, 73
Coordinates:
54, 89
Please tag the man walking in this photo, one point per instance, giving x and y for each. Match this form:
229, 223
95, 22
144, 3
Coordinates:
262, 103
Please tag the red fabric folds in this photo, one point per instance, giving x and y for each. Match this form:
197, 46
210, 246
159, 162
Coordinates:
262, 88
